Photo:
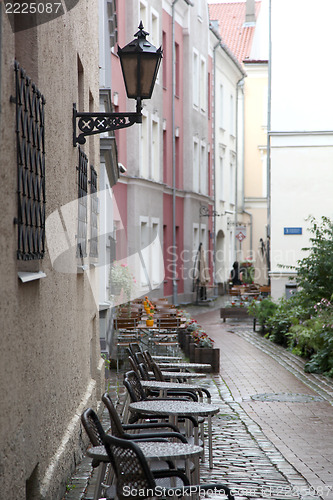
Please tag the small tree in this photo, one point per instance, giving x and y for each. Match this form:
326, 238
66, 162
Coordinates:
315, 272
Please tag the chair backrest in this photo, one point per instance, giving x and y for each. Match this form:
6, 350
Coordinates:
157, 372
167, 310
125, 322
134, 387
125, 313
168, 322
134, 478
134, 365
165, 305
148, 358
139, 358
144, 372
93, 427
161, 300
116, 425
134, 348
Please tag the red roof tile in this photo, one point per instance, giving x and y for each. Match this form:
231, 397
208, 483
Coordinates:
231, 18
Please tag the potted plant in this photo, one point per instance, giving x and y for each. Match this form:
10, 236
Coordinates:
150, 320
122, 283
205, 351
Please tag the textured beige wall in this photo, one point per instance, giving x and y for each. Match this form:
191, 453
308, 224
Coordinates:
255, 179
256, 129
50, 364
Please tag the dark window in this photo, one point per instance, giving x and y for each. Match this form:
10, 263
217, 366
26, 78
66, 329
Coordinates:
93, 213
30, 167
164, 60
177, 70
82, 204
113, 25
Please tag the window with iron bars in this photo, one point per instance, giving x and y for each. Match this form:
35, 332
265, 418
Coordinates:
82, 236
81, 251
30, 149
93, 213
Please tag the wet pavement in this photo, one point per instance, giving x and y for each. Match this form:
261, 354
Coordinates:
273, 437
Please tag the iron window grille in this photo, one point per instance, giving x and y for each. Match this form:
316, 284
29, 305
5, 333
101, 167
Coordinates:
82, 205
30, 129
93, 213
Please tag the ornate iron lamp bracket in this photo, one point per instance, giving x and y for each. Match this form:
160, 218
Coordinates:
205, 212
98, 123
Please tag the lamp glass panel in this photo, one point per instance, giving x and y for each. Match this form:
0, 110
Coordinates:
147, 76
129, 63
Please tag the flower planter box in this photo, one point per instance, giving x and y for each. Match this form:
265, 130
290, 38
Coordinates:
192, 348
208, 355
181, 338
233, 312
188, 341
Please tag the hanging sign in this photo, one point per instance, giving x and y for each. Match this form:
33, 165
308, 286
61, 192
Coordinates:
240, 233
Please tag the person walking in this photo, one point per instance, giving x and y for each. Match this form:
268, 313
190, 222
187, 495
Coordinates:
235, 275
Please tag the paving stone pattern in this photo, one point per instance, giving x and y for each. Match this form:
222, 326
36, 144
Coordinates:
243, 457
302, 431
258, 451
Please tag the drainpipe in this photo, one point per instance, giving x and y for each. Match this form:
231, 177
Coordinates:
251, 230
269, 127
238, 86
214, 162
174, 259
174, 256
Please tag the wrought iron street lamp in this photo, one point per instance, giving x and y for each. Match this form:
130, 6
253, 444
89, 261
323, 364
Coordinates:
140, 62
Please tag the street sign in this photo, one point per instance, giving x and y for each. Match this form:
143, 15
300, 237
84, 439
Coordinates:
240, 233
292, 230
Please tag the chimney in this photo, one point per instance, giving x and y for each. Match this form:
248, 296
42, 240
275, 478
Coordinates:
250, 16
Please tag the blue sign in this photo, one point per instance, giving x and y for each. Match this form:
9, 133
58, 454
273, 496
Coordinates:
292, 230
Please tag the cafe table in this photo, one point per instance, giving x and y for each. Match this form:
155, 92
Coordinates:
185, 366
174, 409
182, 375
167, 358
163, 387
155, 450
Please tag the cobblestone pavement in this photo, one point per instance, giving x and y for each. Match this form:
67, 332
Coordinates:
267, 385
278, 449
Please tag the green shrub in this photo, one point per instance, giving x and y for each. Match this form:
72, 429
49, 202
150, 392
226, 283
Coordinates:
322, 360
315, 271
262, 310
304, 322
304, 338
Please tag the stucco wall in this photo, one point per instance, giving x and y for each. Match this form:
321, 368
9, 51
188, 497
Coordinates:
302, 182
50, 364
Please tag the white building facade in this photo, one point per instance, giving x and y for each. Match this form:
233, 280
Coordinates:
301, 132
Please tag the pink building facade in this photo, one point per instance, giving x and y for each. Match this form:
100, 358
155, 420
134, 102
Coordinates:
168, 159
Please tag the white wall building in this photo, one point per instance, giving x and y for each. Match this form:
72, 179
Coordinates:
301, 135
228, 134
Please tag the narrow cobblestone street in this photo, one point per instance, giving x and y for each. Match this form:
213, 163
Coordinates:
273, 437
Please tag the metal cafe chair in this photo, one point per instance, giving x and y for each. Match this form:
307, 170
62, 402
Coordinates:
95, 432
166, 337
159, 432
127, 333
137, 393
119, 429
134, 475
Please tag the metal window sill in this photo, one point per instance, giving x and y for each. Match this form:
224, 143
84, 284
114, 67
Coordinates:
26, 276
103, 306
82, 269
